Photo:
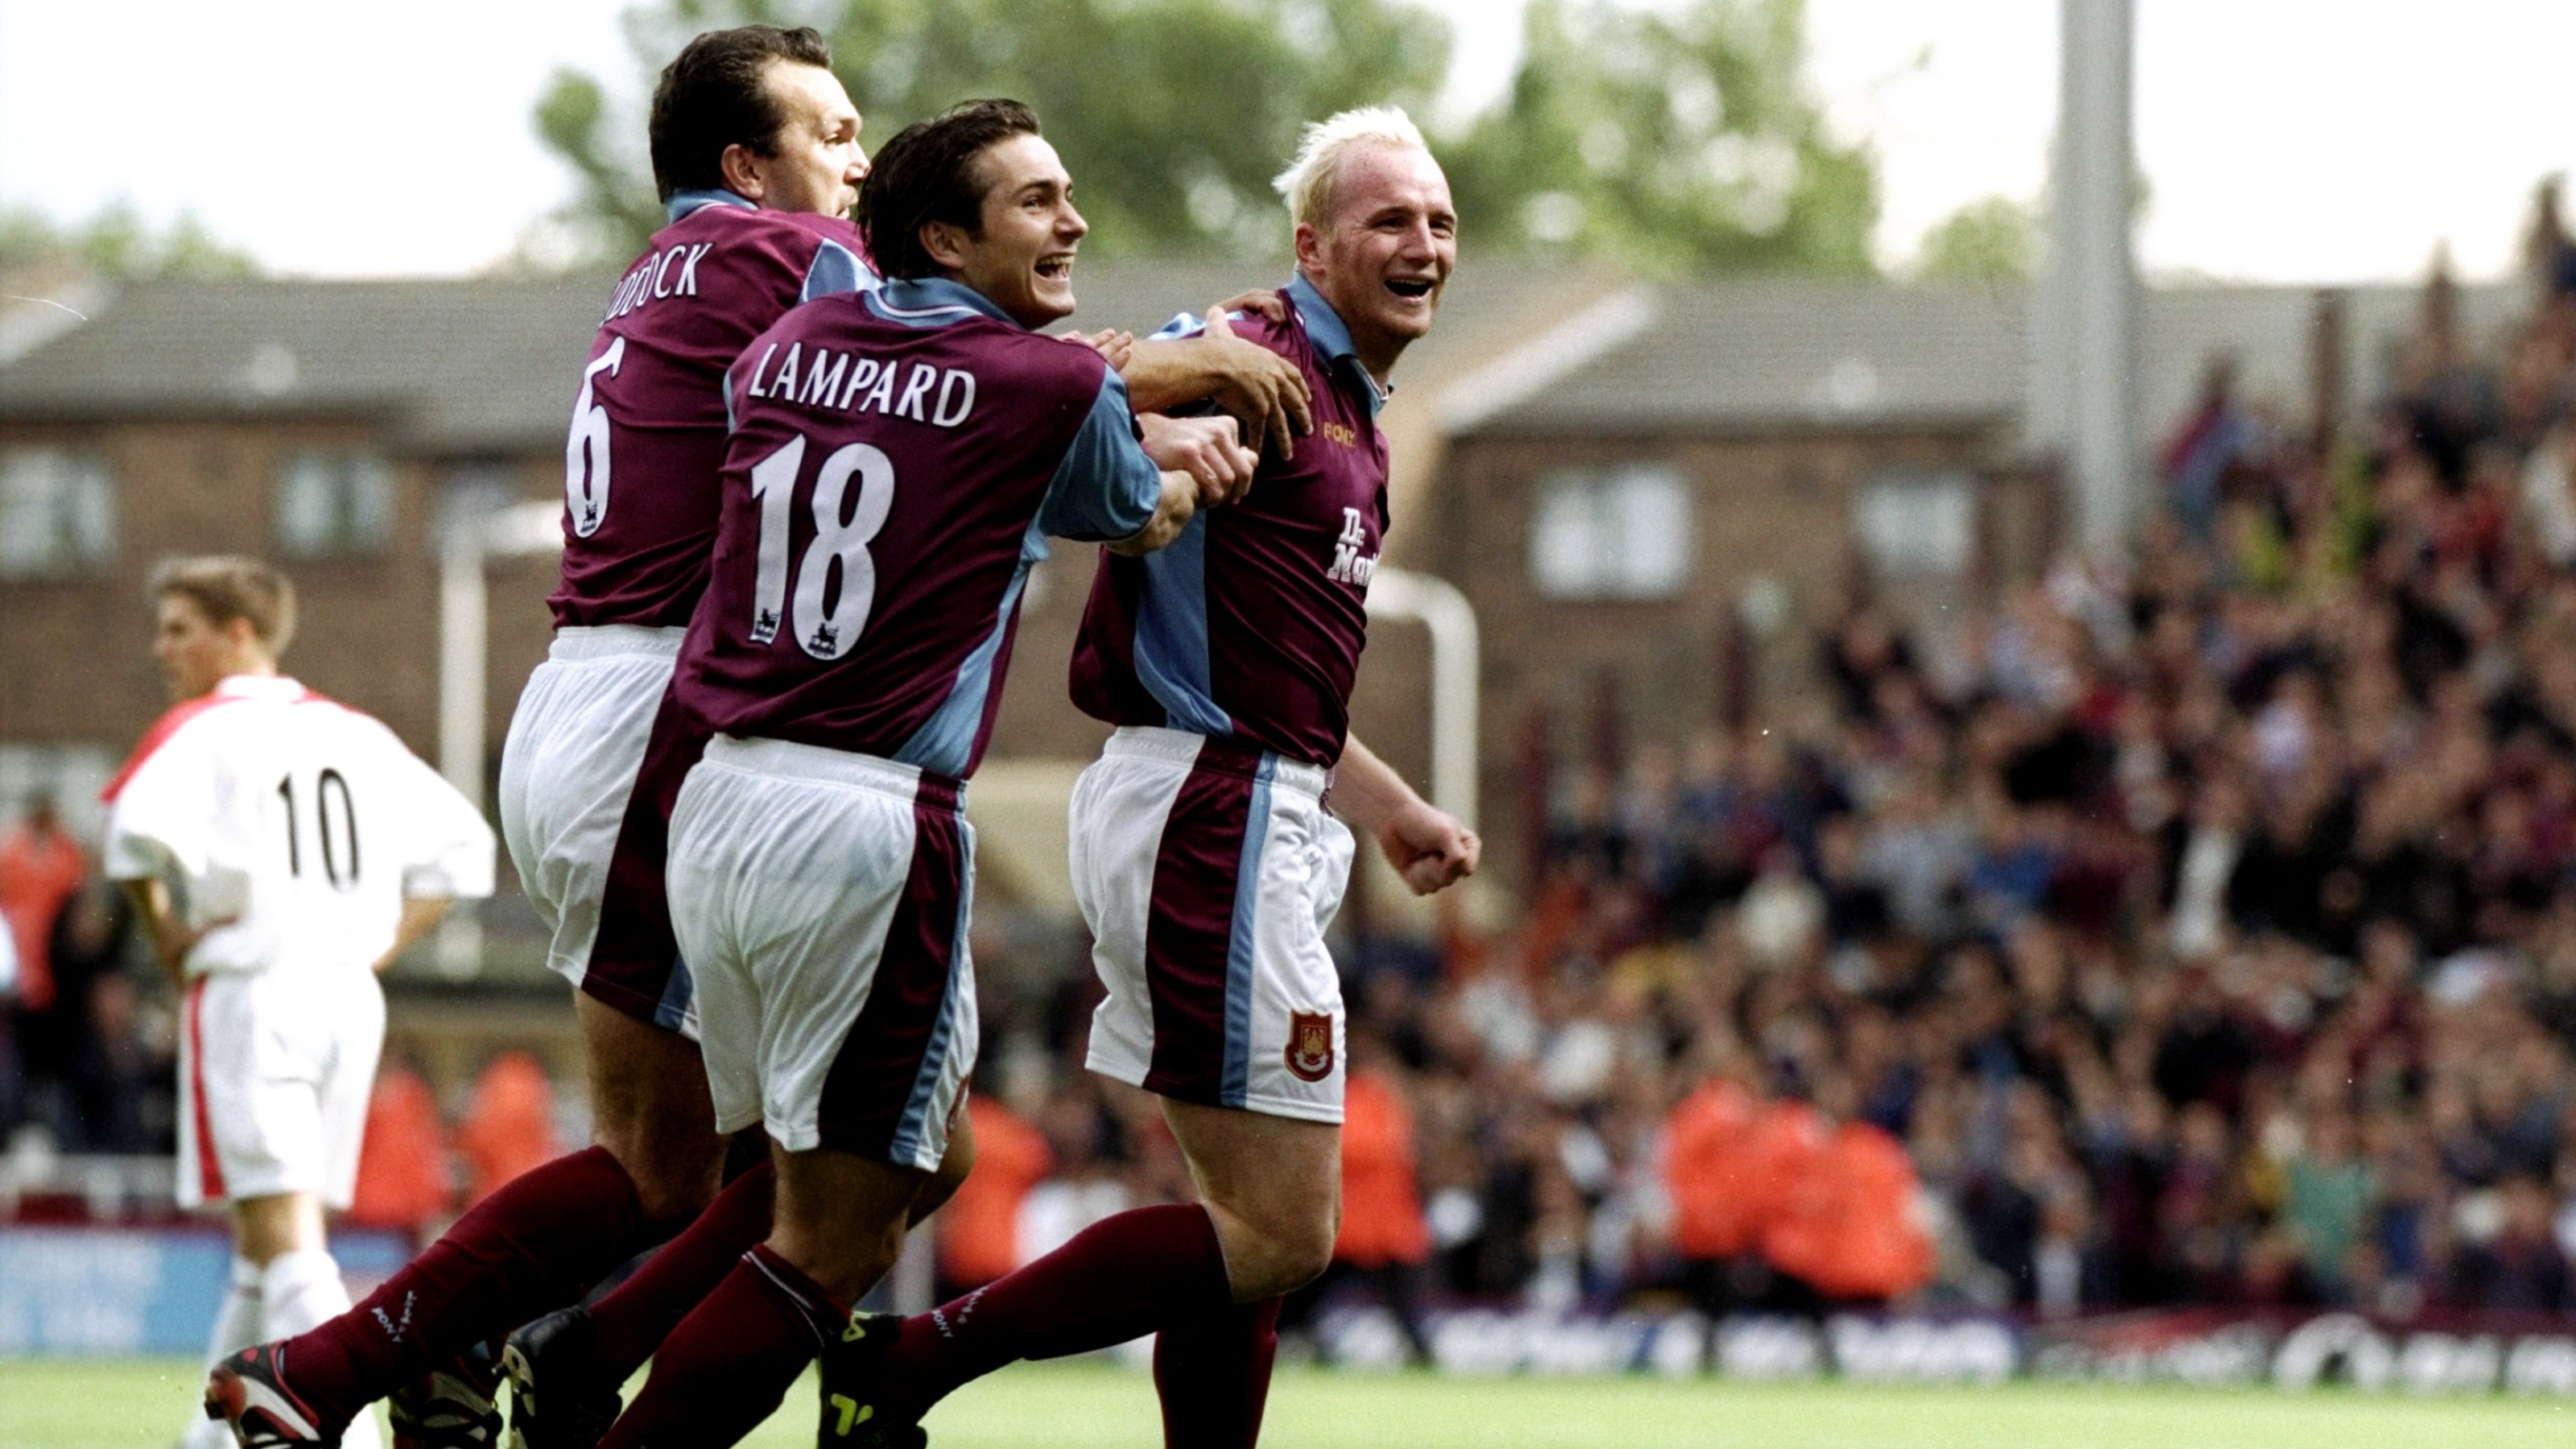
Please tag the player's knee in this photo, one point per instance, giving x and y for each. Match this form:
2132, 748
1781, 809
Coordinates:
1293, 1252
674, 1181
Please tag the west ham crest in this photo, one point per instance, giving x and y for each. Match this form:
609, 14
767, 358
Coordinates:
1310, 1045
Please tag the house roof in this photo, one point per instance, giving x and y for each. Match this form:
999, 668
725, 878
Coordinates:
487, 365
1766, 354
459, 367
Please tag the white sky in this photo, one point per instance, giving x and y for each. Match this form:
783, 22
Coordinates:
2284, 140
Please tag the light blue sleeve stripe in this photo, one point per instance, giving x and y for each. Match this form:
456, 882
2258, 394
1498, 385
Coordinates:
1106, 488
836, 270
1185, 324
1236, 1084
1172, 634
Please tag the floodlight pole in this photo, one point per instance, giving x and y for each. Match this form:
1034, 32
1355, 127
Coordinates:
472, 541
2084, 328
1403, 594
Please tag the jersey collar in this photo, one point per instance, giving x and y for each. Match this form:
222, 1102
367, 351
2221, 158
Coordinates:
1332, 337
684, 202
259, 686
932, 302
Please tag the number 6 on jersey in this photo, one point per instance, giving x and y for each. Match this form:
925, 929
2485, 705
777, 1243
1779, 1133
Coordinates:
586, 450
824, 632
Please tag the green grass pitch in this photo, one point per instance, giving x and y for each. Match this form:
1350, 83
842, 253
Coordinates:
68, 1405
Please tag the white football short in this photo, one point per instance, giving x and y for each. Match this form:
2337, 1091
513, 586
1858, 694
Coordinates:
275, 1068
822, 900
569, 769
1208, 871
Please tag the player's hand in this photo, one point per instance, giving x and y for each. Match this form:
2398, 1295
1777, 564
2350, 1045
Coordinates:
1429, 849
1111, 344
1208, 449
1261, 388
1266, 302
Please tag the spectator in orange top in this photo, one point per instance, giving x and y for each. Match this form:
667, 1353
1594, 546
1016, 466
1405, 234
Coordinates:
40, 867
1709, 1175
978, 1228
402, 1162
510, 1127
1846, 1227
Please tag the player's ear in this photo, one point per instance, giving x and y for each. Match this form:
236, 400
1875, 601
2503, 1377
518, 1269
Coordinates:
1310, 248
945, 243
740, 167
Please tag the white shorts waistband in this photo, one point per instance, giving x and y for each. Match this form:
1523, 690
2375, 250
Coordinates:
787, 759
612, 641
1184, 748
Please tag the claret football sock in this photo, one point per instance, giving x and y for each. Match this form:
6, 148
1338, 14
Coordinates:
1121, 1278
536, 1244
633, 1320
730, 1362
1212, 1372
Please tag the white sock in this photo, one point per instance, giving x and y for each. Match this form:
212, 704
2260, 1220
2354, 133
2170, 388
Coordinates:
303, 1291
238, 1325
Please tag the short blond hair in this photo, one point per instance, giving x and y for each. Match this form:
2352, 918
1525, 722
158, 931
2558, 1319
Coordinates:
1308, 181
225, 587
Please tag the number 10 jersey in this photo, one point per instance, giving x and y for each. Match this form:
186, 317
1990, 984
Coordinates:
898, 458
302, 822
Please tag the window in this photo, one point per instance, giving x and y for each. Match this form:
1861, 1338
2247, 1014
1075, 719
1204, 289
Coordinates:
331, 503
1915, 525
1619, 534
57, 513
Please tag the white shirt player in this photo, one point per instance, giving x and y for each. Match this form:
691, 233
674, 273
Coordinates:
301, 822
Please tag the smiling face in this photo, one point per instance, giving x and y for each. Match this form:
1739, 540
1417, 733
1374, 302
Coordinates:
1383, 248
1023, 260
816, 165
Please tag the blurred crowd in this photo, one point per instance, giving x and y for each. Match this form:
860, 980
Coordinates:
86, 1036
2197, 927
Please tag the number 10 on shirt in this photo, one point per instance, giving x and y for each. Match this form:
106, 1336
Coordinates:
825, 633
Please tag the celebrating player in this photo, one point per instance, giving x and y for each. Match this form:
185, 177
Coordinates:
280, 849
755, 150
896, 463
1204, 860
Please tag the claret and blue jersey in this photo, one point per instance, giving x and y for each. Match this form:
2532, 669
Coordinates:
897, 460
1250, 625
648, 427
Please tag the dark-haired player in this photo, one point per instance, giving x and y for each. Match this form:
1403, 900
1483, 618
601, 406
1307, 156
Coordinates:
755, 150
1205, 862
896, 464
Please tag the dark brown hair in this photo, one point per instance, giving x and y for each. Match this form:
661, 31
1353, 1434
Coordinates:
225, 587
928, 173
714, 94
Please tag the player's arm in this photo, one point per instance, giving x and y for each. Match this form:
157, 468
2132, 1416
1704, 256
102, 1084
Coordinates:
1424, 844
1263, 390
1172, 513
172, 939
420, 916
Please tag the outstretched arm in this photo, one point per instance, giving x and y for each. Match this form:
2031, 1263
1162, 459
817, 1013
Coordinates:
1428, 848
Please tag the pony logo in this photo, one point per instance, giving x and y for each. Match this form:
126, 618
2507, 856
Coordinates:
1310, 1045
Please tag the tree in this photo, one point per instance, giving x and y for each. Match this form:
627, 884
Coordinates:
1991, 239
1683, 141
1671, 142
117, 242
1172, 115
